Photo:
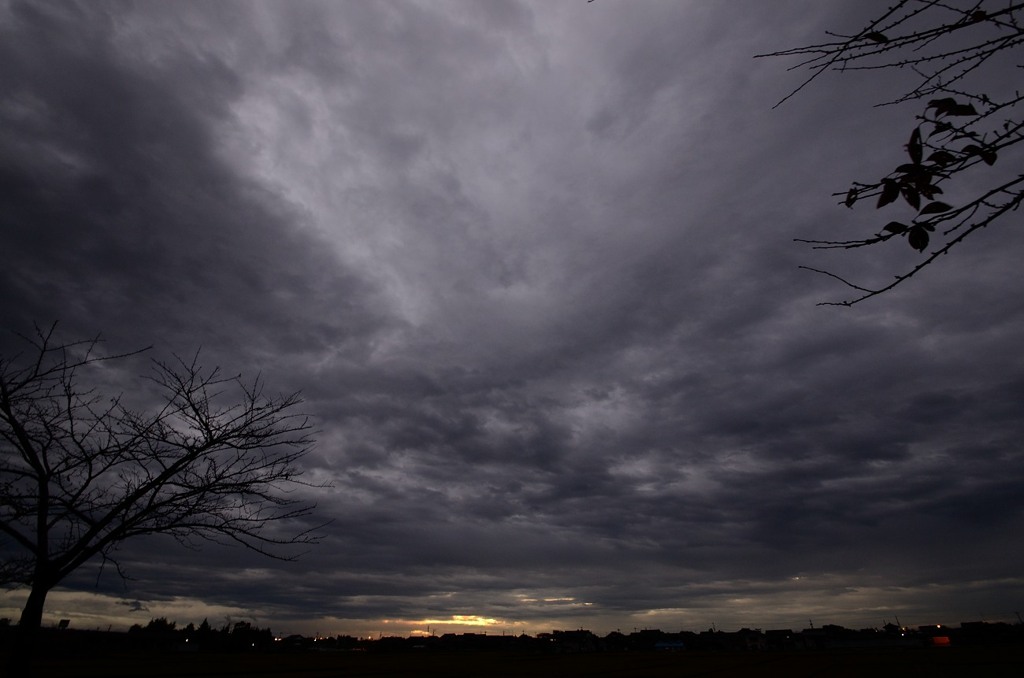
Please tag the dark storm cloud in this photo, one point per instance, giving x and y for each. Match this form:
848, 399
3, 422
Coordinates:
529, 264
123, 218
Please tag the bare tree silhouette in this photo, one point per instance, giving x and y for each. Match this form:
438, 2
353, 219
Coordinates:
81, 472
961, 128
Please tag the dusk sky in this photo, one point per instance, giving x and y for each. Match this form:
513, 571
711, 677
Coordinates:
531, 265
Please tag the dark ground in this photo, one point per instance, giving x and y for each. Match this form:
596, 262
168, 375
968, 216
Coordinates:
902, 662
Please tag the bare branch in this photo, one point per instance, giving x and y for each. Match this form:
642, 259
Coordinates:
215, 461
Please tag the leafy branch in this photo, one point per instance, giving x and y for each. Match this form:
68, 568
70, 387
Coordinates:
959, 129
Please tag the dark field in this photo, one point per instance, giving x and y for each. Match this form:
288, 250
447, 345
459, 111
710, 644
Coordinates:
906, 662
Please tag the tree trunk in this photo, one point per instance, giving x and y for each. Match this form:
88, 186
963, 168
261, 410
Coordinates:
20, 660
32, 613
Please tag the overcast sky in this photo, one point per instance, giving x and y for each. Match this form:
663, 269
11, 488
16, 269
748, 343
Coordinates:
531, 265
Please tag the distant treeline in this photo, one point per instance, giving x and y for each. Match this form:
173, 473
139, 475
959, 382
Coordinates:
163, 635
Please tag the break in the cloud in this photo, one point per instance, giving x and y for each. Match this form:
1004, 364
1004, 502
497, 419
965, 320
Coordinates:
530, 263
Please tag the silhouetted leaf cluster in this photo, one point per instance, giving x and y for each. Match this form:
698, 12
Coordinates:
958, 129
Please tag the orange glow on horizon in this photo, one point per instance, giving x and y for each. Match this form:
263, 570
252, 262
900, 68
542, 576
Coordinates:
462, 620
426, 627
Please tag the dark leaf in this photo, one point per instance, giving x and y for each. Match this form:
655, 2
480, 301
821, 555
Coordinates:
941, 104
914, 146
979, 15
890, 191
936, 208
896, 227
915, 175
963, 109
942, 157
918, 238
986, 154
876, 37
950, 106
929, 191
923, 181
911, 195
851, 197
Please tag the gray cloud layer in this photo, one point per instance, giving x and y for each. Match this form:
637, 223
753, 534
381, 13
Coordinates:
530, 265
